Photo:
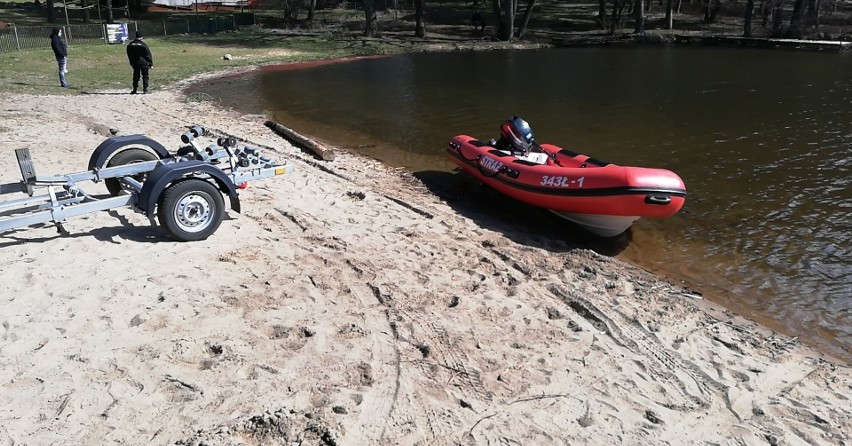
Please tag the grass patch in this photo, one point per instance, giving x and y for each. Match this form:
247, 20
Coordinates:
95, 68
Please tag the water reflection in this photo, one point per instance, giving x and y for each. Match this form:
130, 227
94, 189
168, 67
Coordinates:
761, 138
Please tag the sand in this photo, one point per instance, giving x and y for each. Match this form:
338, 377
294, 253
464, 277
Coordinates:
348, 305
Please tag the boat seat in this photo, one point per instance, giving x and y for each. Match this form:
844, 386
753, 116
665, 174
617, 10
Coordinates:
534, 157
530, 158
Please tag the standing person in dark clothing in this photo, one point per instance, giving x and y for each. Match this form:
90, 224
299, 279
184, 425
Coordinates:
141, 60
61, 53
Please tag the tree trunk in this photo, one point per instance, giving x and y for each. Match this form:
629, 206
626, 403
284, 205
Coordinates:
711, 8
749, 13
777, 18
766, 12
86, 16
613, 21
526, 21
639, 26
419, 27
812, 18
311, 10
110, 18
370, 19
508, 20
498, 14
717, 6
669, 20
795, 29
51, 13
602, 13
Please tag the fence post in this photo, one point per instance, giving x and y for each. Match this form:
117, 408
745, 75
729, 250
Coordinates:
164, 27
187, 26
104, 33
17, 42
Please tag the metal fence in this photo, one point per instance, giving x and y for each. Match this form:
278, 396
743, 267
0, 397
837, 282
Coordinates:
194, 25
17, 38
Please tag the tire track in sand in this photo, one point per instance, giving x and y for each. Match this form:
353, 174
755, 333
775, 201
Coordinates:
696, 389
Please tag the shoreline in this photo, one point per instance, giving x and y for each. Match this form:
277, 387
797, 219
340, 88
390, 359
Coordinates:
719, 295
331, 310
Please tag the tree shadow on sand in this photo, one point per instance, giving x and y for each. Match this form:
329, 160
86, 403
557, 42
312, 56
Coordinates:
519, 222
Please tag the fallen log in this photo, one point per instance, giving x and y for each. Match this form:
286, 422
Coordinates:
320, 150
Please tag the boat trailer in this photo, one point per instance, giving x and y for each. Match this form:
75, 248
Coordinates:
182, 189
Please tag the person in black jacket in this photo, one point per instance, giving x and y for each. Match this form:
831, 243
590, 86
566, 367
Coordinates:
141, 60
61, 53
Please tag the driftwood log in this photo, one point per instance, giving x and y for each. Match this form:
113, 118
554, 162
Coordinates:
320, 150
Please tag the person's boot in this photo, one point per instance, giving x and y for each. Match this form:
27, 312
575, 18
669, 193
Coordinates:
135, 86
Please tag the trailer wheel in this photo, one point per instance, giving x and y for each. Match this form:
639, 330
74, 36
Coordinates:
129, 156
191, 210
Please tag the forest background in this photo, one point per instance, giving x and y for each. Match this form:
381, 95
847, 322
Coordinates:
550, 21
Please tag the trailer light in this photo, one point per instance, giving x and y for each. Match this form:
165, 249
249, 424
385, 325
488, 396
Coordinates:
280, 170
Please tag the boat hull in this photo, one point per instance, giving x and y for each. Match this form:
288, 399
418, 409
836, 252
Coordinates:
601, 225
602, 197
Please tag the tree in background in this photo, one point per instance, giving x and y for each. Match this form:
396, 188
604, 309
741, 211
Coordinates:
749, 13
419, 27
523, 29
669, 19
86, 16
311, 10
797, 20
508, 28
777, 18
812, 19
495, 8
601, 18
506, 11
639, 16
110, 18
617, 12
711, 8
371, 19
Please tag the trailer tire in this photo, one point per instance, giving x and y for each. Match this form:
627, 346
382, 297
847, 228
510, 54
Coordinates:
191, 210
129, 156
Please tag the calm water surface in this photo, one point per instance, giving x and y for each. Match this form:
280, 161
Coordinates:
763, 140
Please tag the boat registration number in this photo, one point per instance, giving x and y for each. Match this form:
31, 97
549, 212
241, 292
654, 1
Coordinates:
559, 181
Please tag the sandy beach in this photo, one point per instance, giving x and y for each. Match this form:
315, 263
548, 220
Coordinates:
347, 305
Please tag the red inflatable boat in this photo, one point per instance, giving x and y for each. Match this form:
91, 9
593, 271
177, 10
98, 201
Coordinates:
602, 197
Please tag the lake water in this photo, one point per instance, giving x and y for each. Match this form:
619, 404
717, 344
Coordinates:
762, 138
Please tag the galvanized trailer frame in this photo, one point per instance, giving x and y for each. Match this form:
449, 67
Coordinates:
183, 190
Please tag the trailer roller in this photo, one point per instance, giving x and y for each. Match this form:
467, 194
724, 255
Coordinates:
183, 190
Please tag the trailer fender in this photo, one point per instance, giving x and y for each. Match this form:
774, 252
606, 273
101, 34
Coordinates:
165, 174
109, 147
